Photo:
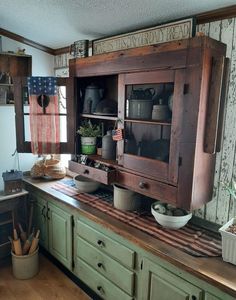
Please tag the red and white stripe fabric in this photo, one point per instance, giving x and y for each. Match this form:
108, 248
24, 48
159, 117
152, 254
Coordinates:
44, 128
44, 115
190, 239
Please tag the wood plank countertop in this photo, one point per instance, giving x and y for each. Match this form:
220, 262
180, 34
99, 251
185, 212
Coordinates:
212, 270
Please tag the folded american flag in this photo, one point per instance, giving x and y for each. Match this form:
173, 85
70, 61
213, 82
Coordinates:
117, 134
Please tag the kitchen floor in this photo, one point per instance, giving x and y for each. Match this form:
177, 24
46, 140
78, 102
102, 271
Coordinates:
50, 283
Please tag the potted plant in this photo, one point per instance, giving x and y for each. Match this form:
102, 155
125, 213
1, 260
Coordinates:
228, 231
89, 134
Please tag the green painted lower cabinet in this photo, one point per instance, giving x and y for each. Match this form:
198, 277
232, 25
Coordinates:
113, 267
55, 225
60, 234
40, 220
102, 286
104, 264
160, 284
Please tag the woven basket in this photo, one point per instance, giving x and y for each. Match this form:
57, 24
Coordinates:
50, 168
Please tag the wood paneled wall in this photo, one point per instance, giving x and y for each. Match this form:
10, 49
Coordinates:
222, 207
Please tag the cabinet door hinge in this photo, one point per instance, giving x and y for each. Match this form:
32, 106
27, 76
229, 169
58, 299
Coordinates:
186, 88
73, 263
180, 161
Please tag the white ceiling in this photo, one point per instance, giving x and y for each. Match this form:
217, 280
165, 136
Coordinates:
58, 23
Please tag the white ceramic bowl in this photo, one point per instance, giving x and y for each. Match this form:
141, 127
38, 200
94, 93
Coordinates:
85, 185
171, 222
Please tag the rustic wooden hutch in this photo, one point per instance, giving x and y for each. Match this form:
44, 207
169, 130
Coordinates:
188, 71
191, 70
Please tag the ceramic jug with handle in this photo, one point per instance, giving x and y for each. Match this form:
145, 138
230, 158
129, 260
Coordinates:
93, 94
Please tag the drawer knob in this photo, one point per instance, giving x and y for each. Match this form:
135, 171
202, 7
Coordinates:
100, 289
100, 243
86, 171
194, 297
100, 265
142, 185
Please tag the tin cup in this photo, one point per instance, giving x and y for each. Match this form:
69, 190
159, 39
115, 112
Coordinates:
79, 48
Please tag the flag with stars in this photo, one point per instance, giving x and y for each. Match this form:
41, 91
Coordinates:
44, 115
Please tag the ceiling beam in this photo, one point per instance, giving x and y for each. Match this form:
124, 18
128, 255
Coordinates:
26, 41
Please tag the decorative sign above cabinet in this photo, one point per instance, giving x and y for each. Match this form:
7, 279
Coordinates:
155, 35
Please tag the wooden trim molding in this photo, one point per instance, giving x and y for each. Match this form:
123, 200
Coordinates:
62, 50
26, 41
217, 14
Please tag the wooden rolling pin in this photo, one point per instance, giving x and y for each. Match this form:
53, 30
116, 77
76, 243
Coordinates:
35, 242
27, 244
16, 243
22, 233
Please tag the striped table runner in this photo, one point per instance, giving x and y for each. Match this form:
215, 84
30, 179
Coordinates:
191, 239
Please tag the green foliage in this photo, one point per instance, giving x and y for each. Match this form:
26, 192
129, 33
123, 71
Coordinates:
87, 129
231, 189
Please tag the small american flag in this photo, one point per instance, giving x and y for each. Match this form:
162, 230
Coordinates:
117, 134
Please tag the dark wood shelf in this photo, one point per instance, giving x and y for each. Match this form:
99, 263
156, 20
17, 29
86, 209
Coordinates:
6, 222
149, 122
99, 117
6, 84
15, 54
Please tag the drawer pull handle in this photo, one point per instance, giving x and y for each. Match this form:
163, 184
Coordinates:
100, 265
100, 243
86, 171
142, 185
100, 289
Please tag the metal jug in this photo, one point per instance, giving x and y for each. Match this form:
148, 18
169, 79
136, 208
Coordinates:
79, 48
93, 95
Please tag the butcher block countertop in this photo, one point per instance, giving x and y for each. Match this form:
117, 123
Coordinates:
212, 270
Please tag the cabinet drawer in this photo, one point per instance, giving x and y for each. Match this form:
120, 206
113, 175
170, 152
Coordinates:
106, 266
149, 187
105, 244
103, 287
93, 173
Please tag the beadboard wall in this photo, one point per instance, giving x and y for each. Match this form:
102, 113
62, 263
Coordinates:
222, 207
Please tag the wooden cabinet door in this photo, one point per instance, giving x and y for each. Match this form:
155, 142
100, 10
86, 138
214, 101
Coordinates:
40, 220
60, 234
151, 144
160, 284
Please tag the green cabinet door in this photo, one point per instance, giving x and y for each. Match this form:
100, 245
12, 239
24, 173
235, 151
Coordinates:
60, 234
40, 220
160, 284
